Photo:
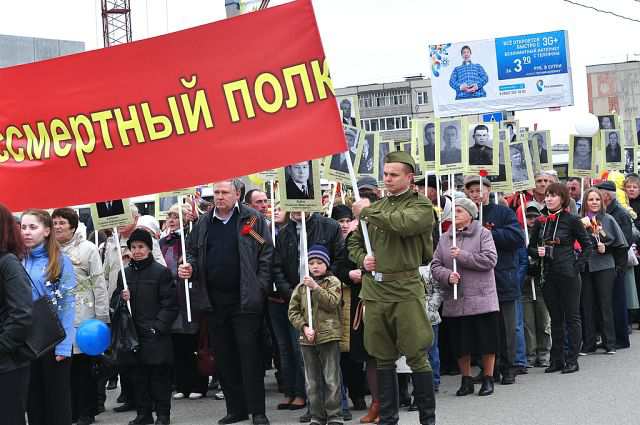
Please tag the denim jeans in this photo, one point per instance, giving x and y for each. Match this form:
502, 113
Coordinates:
291, 363
434, 356
521, 346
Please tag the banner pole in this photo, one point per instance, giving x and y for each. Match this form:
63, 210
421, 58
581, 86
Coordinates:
305, 259
453, 226
124, 276
440, 211
480, 207
332, 198
523, 207
187, 296
273, 212
356, 195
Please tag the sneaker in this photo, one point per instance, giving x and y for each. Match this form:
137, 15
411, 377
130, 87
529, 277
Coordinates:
195, 396
611, 351
219, 395
178, 396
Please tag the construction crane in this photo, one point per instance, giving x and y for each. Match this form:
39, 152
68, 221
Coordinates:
116, 22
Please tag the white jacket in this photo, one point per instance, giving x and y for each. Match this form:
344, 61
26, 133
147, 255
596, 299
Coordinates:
91, 288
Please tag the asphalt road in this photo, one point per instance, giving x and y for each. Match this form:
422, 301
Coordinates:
604, 392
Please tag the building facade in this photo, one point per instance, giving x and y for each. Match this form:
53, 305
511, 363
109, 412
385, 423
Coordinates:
615, 88
15, 50
390, 107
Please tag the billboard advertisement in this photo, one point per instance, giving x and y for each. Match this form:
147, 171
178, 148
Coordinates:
508, 73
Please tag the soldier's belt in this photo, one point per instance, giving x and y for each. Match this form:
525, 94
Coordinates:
389, 277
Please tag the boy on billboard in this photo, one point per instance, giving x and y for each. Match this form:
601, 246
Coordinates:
468, 79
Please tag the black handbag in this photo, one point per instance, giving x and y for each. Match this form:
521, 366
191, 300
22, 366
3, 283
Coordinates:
124, 337
46, 330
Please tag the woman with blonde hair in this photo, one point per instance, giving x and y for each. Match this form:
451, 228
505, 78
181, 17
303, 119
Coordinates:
599, 274
53, 276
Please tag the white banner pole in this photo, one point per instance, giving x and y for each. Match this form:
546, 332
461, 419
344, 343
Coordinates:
523, 207
305, 258
453, 226
124, 276
184, 258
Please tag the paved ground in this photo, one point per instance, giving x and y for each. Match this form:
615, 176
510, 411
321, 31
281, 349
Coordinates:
604, 392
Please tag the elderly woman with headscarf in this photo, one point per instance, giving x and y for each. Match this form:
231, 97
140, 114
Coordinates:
473, 316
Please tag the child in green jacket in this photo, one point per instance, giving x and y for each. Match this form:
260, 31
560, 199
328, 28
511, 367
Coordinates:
319, 343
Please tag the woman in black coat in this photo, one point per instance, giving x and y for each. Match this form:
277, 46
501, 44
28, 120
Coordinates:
553, 238
152, 294
15, 321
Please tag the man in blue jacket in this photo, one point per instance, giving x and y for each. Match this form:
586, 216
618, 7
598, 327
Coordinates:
508, 237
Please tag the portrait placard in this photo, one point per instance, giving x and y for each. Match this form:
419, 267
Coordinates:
521, 167
608, 122
335, 166
513, 128
349, 110
382, 148
110, 214
449, 135
366, 159
424, 134
502, 181
268, 175
582, 158
637, 132
480, 152
301, 189
611, 149
630, 160
542, 141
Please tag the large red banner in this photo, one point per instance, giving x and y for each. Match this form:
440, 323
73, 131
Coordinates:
217, 101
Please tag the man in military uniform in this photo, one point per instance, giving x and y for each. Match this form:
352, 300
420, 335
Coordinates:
396, 323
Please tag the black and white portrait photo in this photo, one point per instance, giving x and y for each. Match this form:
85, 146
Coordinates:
110, 208
366, 157
629, 162
480, 145
299, 180
348, 111
582, 153
519, 172
339, 161
607, 122
539, 139
612, 150
429, 142
450, 142
383, 149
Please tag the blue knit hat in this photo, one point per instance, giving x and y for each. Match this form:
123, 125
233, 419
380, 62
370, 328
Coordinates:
319, 252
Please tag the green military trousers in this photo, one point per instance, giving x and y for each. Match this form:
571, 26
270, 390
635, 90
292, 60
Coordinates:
394, 329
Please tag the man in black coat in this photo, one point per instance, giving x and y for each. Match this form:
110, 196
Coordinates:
151, 292
508, 238
229, 254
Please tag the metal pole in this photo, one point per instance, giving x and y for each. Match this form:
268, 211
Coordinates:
453, 226
184, 258
305, 258
124, 276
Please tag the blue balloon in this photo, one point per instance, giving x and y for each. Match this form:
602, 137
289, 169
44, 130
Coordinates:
93, 337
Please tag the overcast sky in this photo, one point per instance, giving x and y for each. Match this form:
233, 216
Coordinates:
376, 41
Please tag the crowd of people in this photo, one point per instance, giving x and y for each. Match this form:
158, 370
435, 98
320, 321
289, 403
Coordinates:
502, 283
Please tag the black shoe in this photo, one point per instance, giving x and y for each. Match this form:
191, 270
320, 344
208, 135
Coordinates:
508, 377
571, 367
388, 395
359, 404
306, 418
163, 420
466, 386
424, 397
232, 418
297, 406
414, 406
142, 420
86, 420
121, 398
260, 419
554, 367
127, 407
487, 386
346, 415
112, 384
520, 370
